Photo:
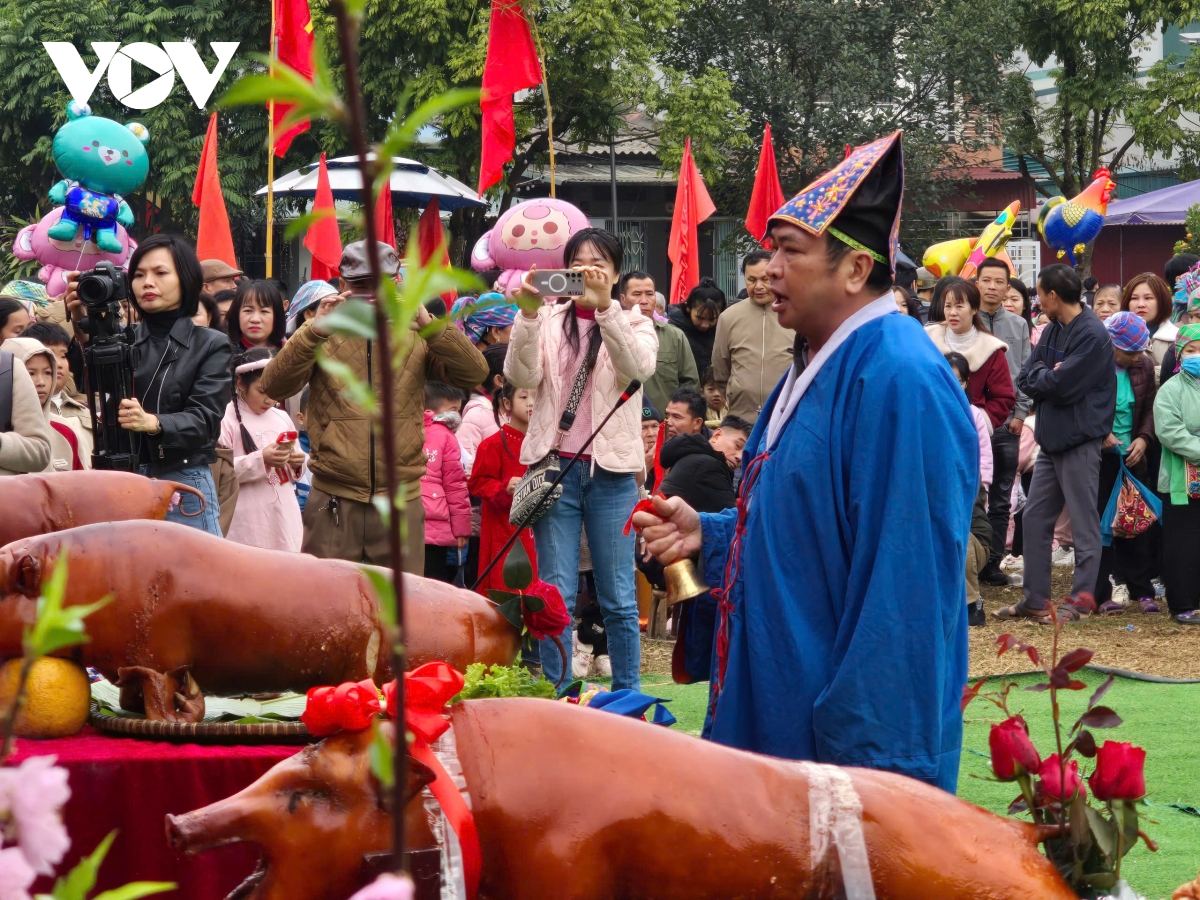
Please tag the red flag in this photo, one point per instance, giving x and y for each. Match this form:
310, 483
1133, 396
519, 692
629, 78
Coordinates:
323, 240
431, 239
294, 33
512, 65
213, 240
767, 196
692, 206
385, 224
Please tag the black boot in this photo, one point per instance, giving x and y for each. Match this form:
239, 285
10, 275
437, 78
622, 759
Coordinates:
975, 616
991, 574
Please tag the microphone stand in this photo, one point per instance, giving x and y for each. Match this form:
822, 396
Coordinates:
629, 391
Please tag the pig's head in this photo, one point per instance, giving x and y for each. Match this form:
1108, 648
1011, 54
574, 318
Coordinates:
23, 566
315, 816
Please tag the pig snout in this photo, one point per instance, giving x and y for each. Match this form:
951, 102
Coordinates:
226, 822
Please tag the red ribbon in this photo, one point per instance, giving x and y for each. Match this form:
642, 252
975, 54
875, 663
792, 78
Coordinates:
427, 690
351, 706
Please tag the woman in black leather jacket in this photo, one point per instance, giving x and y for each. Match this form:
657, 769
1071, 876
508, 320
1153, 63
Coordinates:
182, 381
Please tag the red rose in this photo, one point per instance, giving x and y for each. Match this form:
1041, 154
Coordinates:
1055, 785
1119, 772
552, 619
1013, 752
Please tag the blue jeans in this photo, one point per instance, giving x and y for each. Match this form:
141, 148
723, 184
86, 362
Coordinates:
602, 502
199, 477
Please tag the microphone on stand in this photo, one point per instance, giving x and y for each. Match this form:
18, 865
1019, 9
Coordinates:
632, 388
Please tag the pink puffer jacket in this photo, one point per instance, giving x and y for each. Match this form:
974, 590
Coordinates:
444, 487
629, 350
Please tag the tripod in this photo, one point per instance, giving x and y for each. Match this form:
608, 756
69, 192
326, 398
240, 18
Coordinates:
109, 361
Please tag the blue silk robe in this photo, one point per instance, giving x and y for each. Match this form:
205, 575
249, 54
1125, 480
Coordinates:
848, 639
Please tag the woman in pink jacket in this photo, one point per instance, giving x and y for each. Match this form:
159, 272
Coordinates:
546, 352
444, 484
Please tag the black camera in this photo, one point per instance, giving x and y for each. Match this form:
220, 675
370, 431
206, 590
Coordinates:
102, 285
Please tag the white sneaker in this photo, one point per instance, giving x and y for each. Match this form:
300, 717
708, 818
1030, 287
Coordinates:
604, 666
1120, 594
581, 660
1159, 588
1012, 564
1063, 556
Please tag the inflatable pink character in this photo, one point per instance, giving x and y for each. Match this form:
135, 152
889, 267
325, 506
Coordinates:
60, 257
532, 233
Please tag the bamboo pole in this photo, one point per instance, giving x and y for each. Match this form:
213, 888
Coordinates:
269, 257
537, 39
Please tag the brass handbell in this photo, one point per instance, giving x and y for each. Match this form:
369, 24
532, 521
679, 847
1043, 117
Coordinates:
682, 582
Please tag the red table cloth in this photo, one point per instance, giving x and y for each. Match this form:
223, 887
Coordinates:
131, 785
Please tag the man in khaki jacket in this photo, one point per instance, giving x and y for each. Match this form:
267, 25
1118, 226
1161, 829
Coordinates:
346, 461
752, 351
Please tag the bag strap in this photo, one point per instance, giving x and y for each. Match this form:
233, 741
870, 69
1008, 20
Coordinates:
577, 388
6, 390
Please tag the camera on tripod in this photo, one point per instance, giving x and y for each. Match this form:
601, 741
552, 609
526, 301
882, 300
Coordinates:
110, 360
101, 291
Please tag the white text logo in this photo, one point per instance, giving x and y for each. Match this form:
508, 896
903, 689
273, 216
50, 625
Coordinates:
165, 61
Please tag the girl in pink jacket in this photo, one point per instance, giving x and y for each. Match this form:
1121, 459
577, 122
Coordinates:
444, 484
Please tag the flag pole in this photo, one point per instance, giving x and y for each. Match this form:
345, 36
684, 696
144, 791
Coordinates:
270, 257
537, 39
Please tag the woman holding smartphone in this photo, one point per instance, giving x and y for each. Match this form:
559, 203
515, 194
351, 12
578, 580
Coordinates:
591, 340
182, 377
266, 459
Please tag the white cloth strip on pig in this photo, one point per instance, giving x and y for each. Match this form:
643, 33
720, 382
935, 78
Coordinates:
835, 817
454, 882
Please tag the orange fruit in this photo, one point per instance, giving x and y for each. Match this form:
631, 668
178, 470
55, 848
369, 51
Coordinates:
57, 697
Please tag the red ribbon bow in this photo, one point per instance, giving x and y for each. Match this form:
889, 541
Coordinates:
427, 690
351, 706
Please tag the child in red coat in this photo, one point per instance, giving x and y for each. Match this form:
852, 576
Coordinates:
494, 477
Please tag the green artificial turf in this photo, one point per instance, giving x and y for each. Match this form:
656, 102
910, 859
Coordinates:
1162, 718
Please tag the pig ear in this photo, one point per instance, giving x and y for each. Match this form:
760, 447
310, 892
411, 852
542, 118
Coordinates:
28, 580
419, 775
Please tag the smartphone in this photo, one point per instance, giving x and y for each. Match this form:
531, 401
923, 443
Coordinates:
558, 283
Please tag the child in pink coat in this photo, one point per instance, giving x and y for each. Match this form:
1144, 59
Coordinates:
267, 513
444, 484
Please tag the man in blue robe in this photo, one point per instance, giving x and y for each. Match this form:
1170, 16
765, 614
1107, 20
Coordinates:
842, 632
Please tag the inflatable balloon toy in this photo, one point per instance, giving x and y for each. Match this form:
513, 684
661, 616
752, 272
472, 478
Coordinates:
1068, 226
992, 240
532, 233
948, 257
75, 254
101, 160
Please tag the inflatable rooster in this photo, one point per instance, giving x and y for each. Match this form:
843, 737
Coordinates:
1070, 225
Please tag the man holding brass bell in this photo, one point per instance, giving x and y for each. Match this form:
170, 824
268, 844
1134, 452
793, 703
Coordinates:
841, 633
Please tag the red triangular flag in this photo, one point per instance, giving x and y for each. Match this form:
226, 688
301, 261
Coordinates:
431, 239
213, 239
323, 240
294, 33
512, 65
767, 196
385, 224
692, 206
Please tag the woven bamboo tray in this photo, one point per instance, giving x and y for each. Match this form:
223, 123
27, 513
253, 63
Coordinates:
204, 732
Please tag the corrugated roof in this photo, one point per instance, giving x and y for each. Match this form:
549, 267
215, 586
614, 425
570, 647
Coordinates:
598, 173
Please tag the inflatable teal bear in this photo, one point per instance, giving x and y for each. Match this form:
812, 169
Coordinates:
101, 160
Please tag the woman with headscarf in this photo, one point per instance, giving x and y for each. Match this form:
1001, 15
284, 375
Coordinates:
304, 304
1177, 423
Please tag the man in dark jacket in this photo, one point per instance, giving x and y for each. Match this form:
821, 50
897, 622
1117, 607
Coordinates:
701, 468
1072, 379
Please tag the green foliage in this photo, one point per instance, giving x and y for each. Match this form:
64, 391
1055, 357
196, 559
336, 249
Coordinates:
518, 570
502, 681
827, 74
76, 884
382, 754
1096, 45
1191, 241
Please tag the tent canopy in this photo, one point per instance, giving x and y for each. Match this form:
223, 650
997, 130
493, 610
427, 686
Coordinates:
1167, 206
413, 184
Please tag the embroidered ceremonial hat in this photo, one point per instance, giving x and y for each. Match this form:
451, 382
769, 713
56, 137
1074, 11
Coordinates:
857, 201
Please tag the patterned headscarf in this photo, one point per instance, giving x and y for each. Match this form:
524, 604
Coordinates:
309, 294
30, 293
490, 310
1128, 332
1187, 334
